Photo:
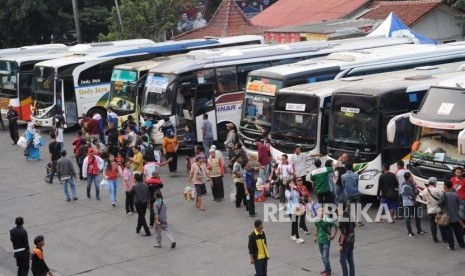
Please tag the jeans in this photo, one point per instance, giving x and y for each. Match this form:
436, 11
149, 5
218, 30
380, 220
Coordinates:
129, 202
433, 226
113, 186
94, 178
251, 201
294, 225
324, 251
409, 212
71, 185
264, 173
347, 257
207, 143
261, 267
454, 228
240, 195
339, 194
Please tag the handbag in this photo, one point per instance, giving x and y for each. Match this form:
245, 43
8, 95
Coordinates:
299, 210
442, 218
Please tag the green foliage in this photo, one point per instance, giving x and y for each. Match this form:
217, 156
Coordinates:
457, 4
151, 19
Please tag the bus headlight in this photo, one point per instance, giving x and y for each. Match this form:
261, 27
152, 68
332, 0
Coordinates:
368, 175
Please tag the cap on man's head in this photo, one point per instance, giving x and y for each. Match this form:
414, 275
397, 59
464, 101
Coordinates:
213, 147
432, 181
212, 150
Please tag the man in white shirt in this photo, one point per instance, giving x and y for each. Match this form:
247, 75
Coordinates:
299, 162
286, 174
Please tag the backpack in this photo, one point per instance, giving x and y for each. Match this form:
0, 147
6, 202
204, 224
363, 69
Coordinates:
149, 153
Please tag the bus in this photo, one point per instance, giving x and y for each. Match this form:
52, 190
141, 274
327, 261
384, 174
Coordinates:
213, 81
264, 84
358, 120
439, 132
16, 68
16, 71
130, 77
80, 84
301, 114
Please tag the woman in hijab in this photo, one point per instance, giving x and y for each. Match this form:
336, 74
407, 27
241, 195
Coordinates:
170, 147
33, 152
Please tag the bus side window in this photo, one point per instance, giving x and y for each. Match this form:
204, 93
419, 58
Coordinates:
244, 69
206, 76
227, 79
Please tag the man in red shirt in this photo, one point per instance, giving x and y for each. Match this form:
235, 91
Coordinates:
263, 150
458, 184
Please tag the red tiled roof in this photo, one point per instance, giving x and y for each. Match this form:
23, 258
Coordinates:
299, 12
228, 20
407, 11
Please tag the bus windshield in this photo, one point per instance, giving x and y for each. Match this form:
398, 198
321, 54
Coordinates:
8, 79
438, 145
43, 83
353, 129
158, 94
295, 127
258, 103
123, 90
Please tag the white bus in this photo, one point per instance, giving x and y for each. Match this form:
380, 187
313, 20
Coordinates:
80, 84
439, 132
31, 49
128, 80
213, 81
258, 102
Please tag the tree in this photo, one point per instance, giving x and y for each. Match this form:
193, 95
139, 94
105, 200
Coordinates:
457, 4
152, 19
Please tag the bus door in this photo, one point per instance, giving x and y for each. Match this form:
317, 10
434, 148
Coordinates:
204, 103
60, 104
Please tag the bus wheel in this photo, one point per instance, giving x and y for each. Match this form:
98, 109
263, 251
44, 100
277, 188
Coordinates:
222, 133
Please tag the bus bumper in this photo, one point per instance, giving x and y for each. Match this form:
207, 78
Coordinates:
48, 122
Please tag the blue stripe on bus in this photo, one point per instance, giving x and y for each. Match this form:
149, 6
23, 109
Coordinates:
164, 48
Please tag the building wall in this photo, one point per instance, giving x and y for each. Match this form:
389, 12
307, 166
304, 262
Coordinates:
440, 25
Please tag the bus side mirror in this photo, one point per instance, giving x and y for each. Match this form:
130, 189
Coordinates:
461, 142
391, 127
391, 131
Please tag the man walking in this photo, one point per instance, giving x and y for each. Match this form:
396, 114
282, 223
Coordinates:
12, 117
240, 186
38, 265
350, 184
432, 196
409, 193
140, 192
387, 190
300, 161
258, 249
250, 183
66, 175
346, 245
161, 220
451, 204
207, 132
54, 148
18, 237
216, 170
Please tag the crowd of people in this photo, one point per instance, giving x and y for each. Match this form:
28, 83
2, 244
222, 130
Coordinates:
105, 154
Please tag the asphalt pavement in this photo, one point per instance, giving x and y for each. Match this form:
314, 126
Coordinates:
87, 237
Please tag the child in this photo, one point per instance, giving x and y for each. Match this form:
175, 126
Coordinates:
161, 220
38, 265
324, 237
120, 159
128, 181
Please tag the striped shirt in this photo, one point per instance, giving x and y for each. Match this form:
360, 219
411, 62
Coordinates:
300, 164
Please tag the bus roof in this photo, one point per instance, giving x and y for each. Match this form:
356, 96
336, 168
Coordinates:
365, 58
27, 56
223, 57
31, 48
83, 54
326, 88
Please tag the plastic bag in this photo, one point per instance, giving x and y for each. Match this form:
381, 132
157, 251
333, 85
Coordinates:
22, 142
104, 184
232, 196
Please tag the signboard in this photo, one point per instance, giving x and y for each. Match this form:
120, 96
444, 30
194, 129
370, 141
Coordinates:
261, 88
350, 110
156, 84
295, 107
445, 109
